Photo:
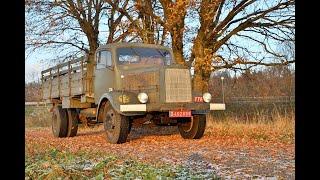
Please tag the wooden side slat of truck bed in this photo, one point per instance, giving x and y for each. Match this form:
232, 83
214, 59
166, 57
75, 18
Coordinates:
74, 70
73, 61
65, 79
74, 88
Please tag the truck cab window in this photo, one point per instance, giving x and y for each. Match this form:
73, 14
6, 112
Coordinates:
143, 56
104, 59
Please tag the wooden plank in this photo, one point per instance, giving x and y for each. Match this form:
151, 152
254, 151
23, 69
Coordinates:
46, 90
66, 89
65, 86
54, 88
64, 72
64, 80
63, 64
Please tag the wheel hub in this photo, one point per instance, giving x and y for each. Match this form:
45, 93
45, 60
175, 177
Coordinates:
110, 118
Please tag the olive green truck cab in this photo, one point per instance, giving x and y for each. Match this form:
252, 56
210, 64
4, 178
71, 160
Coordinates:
126, 81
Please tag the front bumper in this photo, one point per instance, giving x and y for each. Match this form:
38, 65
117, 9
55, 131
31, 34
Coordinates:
171, 106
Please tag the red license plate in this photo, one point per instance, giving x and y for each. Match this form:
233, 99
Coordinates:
198, 99
185, 113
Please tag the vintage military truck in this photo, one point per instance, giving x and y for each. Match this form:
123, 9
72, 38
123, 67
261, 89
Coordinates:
126, 81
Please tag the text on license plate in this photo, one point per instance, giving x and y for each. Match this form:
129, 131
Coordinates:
180, 113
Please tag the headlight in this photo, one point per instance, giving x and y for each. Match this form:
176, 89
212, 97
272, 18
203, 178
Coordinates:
143, 97
207, 97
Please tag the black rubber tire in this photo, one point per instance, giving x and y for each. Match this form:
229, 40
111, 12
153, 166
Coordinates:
193, 129
73, 120
116, 125
59, 122
130, 125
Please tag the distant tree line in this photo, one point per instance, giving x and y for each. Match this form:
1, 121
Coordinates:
271, 81
32, 92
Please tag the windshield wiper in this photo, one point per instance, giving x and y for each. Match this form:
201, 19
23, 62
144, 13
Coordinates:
135, 52
160, 53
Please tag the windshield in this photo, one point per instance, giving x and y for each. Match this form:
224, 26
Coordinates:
144, 56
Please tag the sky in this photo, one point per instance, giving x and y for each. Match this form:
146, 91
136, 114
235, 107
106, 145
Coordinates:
34, 65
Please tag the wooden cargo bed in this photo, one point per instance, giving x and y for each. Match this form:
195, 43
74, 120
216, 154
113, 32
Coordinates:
66, 79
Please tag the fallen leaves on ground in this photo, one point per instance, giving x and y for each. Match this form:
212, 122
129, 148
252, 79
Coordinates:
228, 155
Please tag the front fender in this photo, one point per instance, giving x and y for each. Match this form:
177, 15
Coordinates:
116, 98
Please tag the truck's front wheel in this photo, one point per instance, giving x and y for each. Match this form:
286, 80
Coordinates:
115, 125
192, 128
59, 122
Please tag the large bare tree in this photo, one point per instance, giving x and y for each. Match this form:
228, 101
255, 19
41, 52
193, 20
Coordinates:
71, 27
232, 34
145, 22
230, 30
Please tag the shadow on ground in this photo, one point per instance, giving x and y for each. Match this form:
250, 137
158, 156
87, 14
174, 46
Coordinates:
138, 130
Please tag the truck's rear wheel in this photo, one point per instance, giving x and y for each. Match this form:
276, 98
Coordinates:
192, 128
59, 122
73, 120
115, 125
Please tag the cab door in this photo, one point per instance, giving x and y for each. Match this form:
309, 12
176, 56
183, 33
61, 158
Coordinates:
104, 73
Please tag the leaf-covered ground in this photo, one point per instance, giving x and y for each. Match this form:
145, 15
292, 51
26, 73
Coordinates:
153, 152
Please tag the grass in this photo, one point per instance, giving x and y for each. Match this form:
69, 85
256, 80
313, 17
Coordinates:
255, 112
259, 121
37, 116
55, 164
281, 129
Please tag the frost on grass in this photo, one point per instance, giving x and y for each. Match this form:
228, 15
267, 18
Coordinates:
55, 164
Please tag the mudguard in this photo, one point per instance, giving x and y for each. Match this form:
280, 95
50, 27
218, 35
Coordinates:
117, 98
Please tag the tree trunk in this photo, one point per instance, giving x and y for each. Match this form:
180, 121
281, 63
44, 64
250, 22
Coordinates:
89, 73
93, 44
177, 47
202, 68
174, 15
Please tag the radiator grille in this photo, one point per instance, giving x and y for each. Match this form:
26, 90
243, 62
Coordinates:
178, 85
147, 82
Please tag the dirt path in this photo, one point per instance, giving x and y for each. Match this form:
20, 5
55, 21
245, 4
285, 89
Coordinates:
229, 157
